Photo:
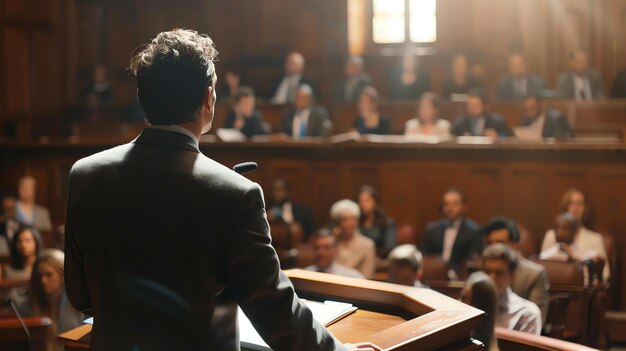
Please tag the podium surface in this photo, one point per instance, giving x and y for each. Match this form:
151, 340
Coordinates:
392, 316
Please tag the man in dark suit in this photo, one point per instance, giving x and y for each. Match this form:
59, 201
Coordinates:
285, 88
349, 88
547, 123
519, 83
456, 238
618, 88
305, 118
531, 279
162, 243
581, 82
478, 121
283, 208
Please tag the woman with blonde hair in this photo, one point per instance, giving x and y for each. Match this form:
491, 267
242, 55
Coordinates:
47, 296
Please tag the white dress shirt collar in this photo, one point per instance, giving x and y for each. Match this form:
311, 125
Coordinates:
178, 129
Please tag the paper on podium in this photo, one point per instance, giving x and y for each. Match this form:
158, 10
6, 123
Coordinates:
325, 313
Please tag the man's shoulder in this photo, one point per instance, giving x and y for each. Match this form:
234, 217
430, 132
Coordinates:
365, 241
471, 224
101, 159
432, 226
318, 110
530, 268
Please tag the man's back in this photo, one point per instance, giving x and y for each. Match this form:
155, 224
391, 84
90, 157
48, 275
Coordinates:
162, 242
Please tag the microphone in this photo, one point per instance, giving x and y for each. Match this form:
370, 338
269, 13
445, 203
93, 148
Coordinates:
19, 318
245, 168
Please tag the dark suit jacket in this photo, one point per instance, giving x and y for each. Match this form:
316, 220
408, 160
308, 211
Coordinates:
506, 87
400, 91
566, 84
469, 241
252, 125
383, 127
339, 89
163, 242
450, 87
463, 126
556, 124
319, 123
304, 216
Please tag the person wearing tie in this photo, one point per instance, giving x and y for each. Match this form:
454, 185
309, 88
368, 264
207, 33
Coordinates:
478, 121
285, 89
306, 119
519, 83
455, 238
581, 82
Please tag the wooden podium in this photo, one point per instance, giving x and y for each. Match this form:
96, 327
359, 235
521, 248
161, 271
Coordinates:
392, 316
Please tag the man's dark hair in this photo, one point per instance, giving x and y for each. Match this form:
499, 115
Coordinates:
173, 73
479, 93
498, 223
501, 252
244, 91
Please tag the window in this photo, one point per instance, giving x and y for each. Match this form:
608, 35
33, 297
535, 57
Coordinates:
396, 20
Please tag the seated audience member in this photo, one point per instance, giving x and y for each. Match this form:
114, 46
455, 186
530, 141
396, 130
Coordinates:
230, 87
581, 82
514, 313
618, 88
428, 121
531, 279
456, 238
461, 82
411, 82
325, 246
46, 297
519, 83
354, 250
565, 231
374, 222
286, 88
27, 210
545, 123
587, 244
481, 292
406, 266
8, 225
24, 249
349, 88
370, 121
244, 115
478, 121
306, 119
283, 208
100, 87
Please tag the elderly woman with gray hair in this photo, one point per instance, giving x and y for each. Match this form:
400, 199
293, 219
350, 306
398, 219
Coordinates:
354, 250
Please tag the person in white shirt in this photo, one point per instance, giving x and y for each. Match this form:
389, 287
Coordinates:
428, 121
406, 266
354, 250
587, 244
514, 312
325, 247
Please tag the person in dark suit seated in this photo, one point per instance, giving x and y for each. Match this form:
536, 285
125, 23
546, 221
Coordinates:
455, 239
285, 89
406, 266
325, 247
370, 121
349, 88
519, 83
374, 222
546, 123
8, 224
618, 88
283, 208
478, 121
410, 82
161, 242
305, 118
581, 82
461, 82
244, 115
531, 281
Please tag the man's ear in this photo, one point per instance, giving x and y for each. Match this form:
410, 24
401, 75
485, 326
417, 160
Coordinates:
209, 99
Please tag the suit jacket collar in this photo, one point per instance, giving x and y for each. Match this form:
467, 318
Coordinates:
166, 138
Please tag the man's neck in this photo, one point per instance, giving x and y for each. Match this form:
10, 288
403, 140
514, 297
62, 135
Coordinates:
194, 127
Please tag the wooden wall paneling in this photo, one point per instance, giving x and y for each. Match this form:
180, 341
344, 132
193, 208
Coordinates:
293, 172
525, 186
358, 175
400, 193
482, 190
324, 188
431, 181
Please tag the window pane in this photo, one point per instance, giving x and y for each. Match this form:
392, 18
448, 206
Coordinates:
388, 21
423, 25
